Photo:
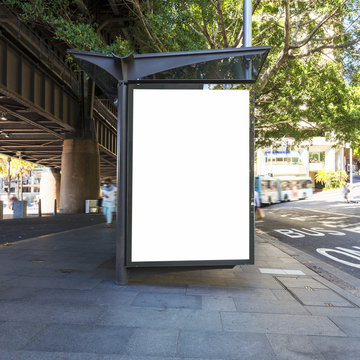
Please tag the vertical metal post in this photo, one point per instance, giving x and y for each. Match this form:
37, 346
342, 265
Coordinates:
9, 179
39, 207
351, 166
121, 271
247, 31
55, 207
247, 35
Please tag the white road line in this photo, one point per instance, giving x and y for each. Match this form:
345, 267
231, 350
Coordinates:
329, 212
346, 205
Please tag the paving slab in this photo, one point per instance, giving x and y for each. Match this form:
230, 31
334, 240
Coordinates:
290, 347
320, 297
224, 345
270, 307
337, 348
334, 311
61, 314
261, 281
15, 293
301, 282
14, 335
154, 288
6, 279
164, 318
51, 283
44, 355
218, 303
279, 324
135, 357
244, 293
115, 298
164, 301
81, 338
283, 295
155, 342
63, 297
350, 325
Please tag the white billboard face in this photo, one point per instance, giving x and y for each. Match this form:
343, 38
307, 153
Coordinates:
190, 179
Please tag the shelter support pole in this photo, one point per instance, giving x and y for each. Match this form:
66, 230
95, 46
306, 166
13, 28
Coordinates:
351, 166
247, 31
247, 12
121, 218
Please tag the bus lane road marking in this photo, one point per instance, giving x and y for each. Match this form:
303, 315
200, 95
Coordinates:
352, 254
328, 212
314, 231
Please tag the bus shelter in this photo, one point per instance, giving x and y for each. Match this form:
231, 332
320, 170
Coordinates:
185, 156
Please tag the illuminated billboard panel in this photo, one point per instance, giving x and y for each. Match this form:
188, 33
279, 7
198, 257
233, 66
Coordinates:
190, 176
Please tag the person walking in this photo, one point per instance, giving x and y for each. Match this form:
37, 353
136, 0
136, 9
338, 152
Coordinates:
108, 195
346, 192
259, 214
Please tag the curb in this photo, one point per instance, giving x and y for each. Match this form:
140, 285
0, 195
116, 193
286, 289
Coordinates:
341, 282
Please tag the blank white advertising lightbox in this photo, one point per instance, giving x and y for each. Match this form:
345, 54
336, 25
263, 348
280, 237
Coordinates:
190, 176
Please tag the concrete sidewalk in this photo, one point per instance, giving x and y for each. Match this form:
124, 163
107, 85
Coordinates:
58, 300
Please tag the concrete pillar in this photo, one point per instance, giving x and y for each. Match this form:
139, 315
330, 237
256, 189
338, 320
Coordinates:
49, 190
304, 156
80, 174
260, 163
340, 165
330, 159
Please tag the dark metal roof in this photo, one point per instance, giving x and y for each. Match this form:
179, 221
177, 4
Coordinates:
233, 65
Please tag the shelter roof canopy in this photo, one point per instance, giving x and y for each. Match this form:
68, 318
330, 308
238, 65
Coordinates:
234, 65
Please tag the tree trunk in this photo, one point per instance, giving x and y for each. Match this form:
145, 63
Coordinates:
17, 187
21, 186
9, 180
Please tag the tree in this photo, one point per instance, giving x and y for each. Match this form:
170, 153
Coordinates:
331, 179
306, 87
18, 168
303, 91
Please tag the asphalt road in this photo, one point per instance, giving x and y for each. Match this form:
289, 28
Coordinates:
325, 227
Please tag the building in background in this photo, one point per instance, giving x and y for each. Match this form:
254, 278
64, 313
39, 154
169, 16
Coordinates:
305, 160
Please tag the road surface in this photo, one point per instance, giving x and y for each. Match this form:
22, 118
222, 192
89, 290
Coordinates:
325, 227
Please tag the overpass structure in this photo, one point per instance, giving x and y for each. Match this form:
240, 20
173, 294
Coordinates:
43, 103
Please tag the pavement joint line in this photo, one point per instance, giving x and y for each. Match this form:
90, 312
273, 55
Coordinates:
306, 259
41, 237
328, 212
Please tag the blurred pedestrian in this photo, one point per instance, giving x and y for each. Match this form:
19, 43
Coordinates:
259, 214
346, 192
12, 200
108, 195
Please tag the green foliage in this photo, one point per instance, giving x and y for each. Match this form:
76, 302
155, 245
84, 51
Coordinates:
331, 179
306, 100
76, 28
310, 82
17, 166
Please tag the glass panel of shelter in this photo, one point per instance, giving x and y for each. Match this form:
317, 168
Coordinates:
232, 69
